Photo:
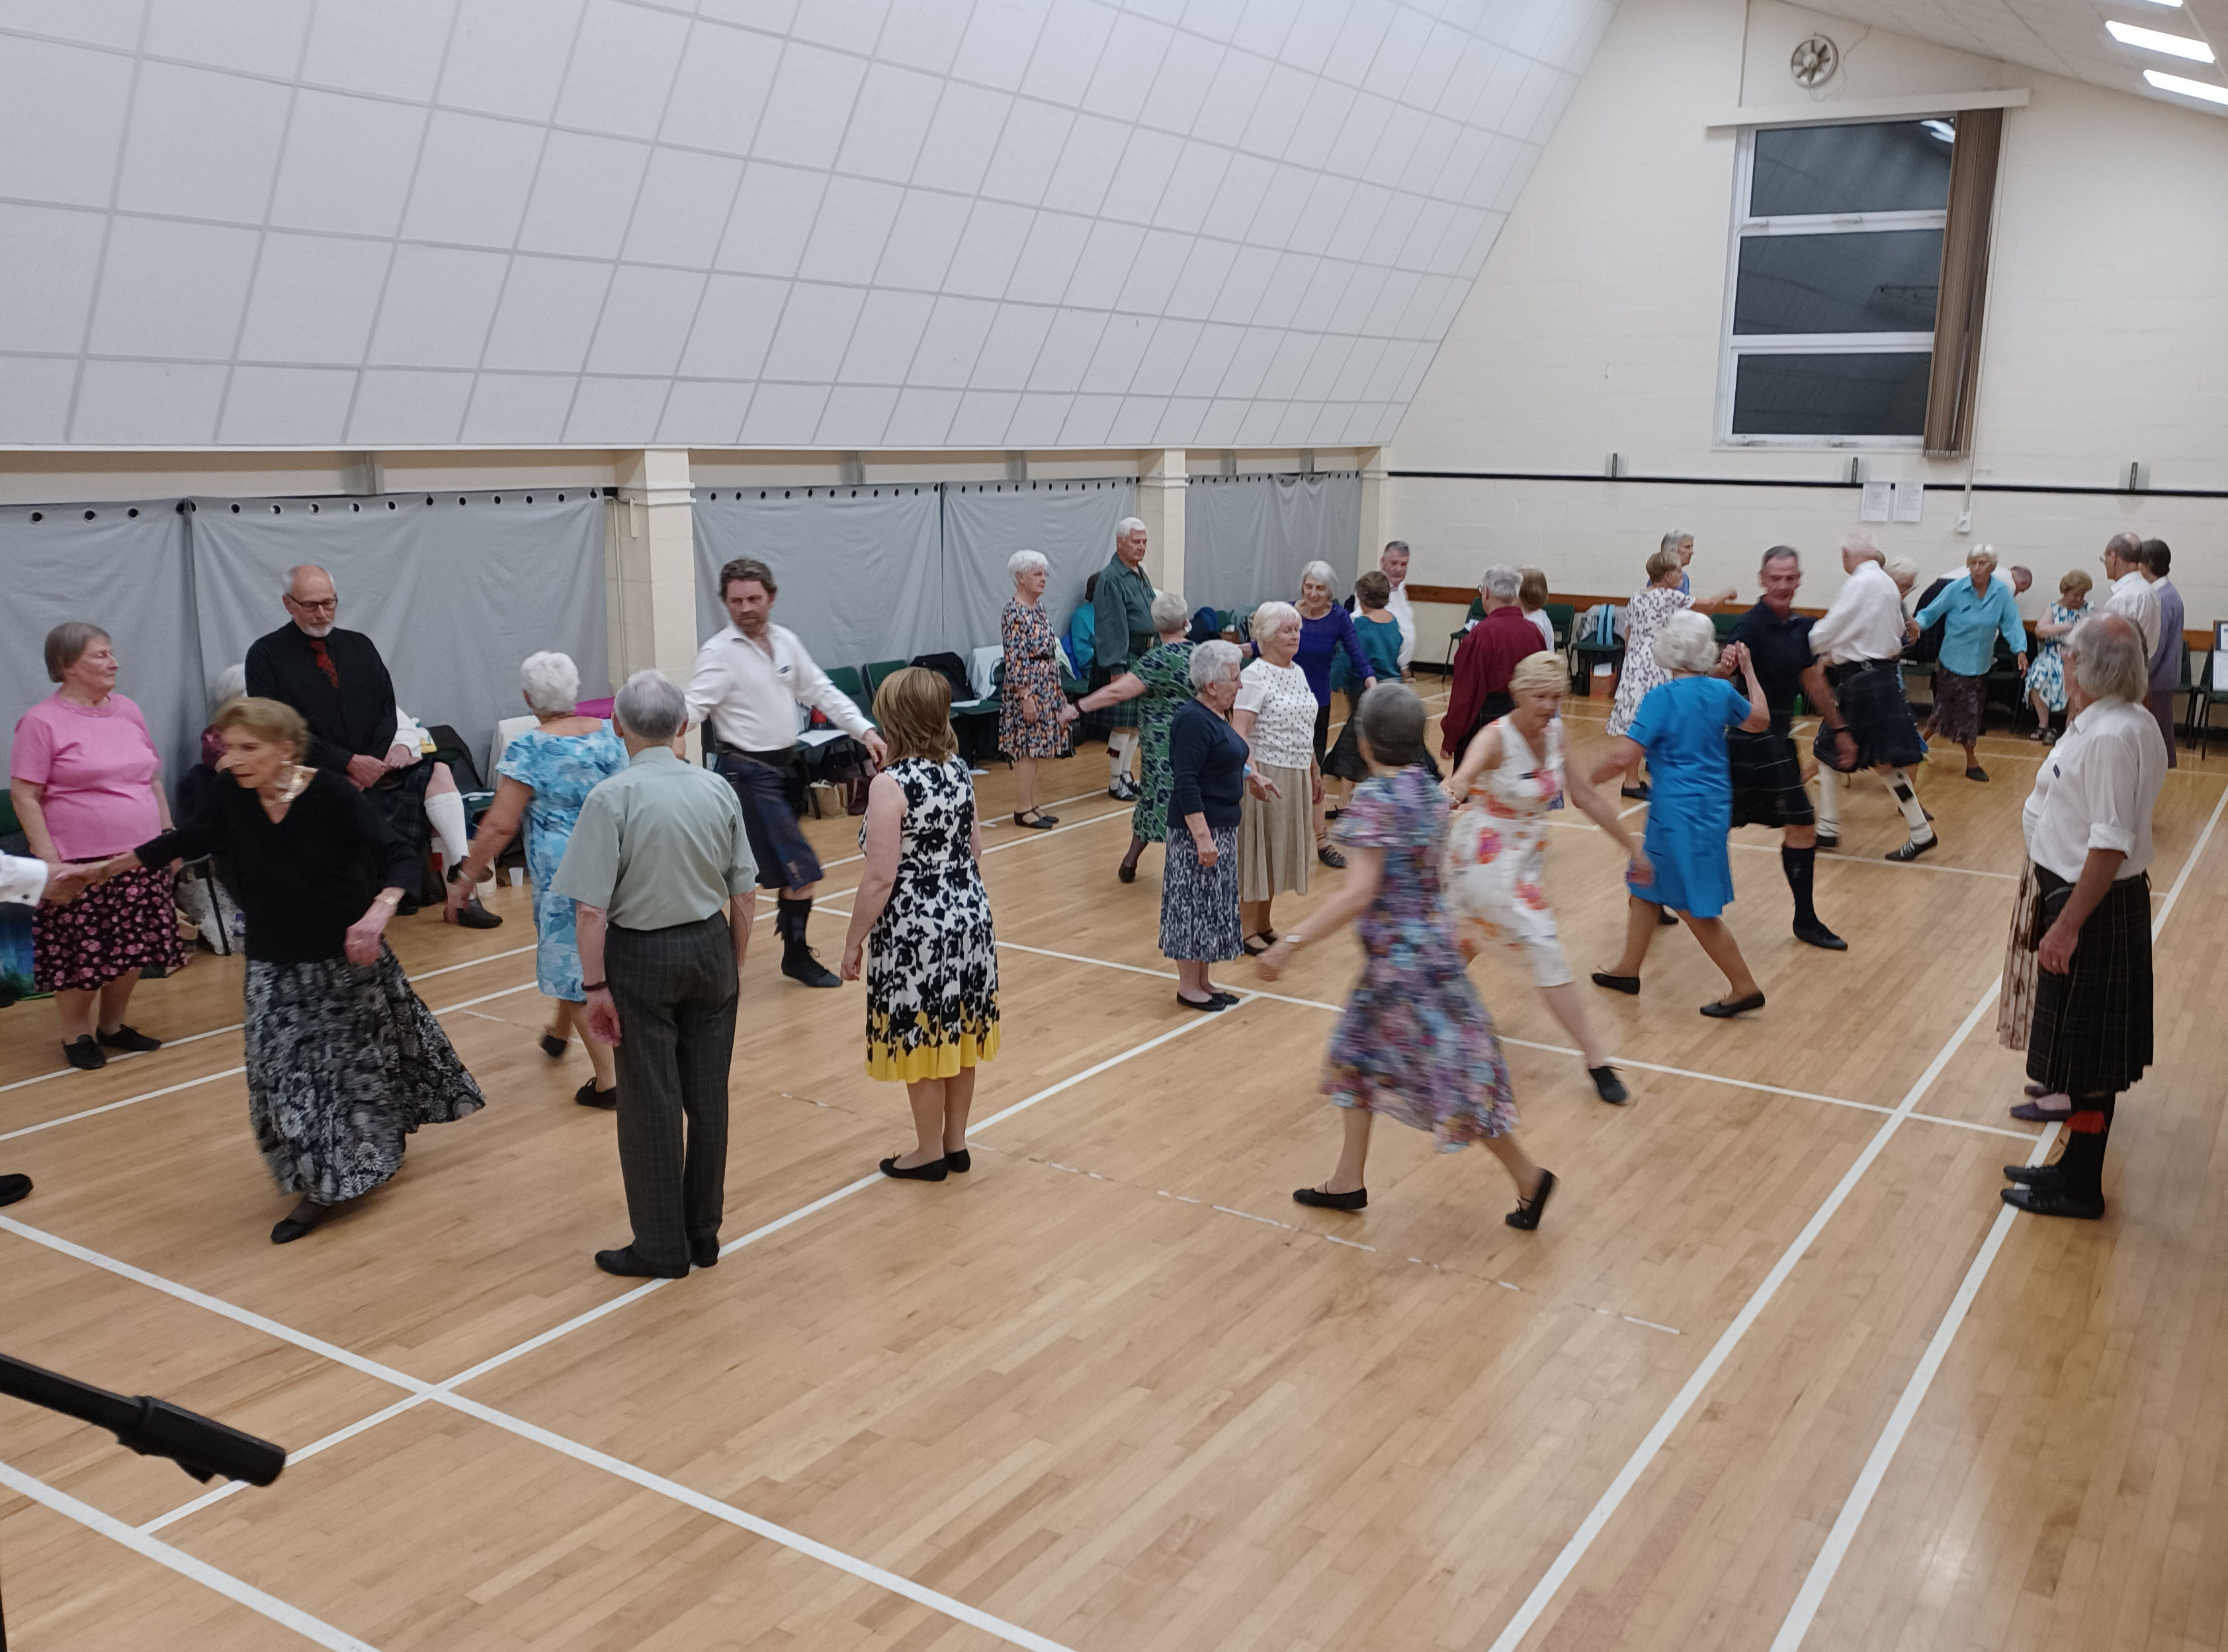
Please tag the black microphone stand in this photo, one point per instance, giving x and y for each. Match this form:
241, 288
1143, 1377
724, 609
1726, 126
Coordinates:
203, 1447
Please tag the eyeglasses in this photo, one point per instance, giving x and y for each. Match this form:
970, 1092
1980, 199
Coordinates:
325, 606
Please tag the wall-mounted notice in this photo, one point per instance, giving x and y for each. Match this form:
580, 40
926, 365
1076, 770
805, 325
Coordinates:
1910, 500
1874, 506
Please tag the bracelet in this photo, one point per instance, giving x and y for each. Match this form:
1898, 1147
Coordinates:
593, 986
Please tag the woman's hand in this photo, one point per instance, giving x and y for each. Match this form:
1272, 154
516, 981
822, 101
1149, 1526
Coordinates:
1271, 962
1315, 786
1263, 787
2056, 952
364, 935
855, 957
1640, 869
1204, 847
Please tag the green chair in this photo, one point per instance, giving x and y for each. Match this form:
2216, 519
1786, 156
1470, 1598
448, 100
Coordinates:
1562, 615
2197, 685
846, 679
1727, 625
880, 672
1454, 637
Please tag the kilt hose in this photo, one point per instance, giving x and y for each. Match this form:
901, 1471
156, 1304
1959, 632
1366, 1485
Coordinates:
675, 991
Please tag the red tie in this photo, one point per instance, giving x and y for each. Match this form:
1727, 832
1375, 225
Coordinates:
325, 661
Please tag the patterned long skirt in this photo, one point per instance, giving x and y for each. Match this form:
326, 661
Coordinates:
1957, 709
343, 1062
1199, 904
128, 923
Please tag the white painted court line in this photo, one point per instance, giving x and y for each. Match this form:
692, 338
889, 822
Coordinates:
279, 1611
1812, 1595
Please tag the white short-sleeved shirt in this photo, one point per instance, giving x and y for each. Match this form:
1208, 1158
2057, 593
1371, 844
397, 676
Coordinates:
2095, 790
1283, 708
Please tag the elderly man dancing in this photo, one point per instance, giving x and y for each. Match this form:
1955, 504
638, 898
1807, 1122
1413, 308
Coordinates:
1863, 632
1121, 611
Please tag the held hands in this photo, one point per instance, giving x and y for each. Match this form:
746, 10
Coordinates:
2056, 952
65, 881
603, 1018
1068, 713
365, 773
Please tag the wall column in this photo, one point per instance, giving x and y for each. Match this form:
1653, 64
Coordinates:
650, 561
1160, 507
1372, 510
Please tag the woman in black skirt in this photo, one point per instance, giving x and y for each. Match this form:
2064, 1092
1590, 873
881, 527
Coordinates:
2078, 964
343, 1061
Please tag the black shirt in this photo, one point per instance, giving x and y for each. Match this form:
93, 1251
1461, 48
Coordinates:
1207, 768
301, 880
1781, 648
353, 720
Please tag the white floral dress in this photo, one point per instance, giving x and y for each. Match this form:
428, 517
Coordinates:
1494, 858
933, 956
1644, 616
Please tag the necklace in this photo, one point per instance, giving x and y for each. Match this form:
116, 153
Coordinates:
291, 788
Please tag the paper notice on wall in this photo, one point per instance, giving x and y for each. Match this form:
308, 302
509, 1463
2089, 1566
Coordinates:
1909, 499
1875, 505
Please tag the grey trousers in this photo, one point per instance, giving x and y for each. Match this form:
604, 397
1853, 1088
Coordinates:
675, 991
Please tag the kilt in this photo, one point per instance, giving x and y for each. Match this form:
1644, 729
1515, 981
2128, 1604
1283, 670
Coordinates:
1869, 695
1957, 705
2091, 1034
1126, 714
771, 787
1767, 776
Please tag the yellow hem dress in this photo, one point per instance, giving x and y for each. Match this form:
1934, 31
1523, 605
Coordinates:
933, 956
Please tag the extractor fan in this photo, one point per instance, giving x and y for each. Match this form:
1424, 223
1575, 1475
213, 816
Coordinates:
1813, 61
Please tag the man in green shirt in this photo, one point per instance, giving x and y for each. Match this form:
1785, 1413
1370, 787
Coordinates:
1123, 618
660, 873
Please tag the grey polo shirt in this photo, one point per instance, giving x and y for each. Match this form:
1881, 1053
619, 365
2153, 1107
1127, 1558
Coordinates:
658, 844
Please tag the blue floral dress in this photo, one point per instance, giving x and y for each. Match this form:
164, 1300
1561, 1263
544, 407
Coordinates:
2046, 677
562, 769
1415, 1040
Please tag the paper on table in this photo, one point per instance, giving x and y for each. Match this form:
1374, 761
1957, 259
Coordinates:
819, 736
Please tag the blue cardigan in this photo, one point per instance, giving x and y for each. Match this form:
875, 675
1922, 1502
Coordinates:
1206, 769
1321, 639
1969, 643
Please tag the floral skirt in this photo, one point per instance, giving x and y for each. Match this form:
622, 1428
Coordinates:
128, 923
1415, 1042
1199, 904
1957, 711
343, 1062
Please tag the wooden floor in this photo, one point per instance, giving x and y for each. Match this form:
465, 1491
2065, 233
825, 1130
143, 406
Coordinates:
1778, 1370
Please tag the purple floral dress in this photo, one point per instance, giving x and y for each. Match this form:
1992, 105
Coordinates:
1415, 1040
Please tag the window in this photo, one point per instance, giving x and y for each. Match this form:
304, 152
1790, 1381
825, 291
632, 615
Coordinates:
1833, 284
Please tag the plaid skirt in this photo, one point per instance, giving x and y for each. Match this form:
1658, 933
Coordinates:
1126, 714
771, 788
128, 923
1869, 695
2091, 1034
1767, 776
1957, 700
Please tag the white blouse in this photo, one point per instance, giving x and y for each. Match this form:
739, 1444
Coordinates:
1284, 709
2095, 790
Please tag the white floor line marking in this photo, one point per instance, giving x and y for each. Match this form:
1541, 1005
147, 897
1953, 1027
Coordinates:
1820, 1579
470, 963
218, 1494
110, 1107
1607, 1505
201, 1571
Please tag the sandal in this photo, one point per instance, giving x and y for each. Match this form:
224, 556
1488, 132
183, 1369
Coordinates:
1042, 822
1266, 939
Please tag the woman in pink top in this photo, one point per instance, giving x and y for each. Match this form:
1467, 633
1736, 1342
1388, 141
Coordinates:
87, 784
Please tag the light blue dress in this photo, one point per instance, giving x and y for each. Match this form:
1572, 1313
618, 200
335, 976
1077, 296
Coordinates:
1681, 725
562, 769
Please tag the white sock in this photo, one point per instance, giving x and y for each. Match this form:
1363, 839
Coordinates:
447, 812
1119, 745
1829, 801
1914, 813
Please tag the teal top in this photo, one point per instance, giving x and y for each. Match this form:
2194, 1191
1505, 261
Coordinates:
659, 844
1968, 644
1380, 645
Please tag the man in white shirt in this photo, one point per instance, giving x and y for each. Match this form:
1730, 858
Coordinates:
1863, 632
1393, 562
749, 678
31, 881
2131, 592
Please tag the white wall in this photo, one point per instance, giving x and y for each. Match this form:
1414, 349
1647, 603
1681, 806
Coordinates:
1596, 325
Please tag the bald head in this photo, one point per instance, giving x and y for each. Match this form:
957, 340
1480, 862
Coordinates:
1857, 549
310, 601
2123, 553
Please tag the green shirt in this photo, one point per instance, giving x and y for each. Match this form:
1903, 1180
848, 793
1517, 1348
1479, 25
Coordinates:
1124, 616
658, 844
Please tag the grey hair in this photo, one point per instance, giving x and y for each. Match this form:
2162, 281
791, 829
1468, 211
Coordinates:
552, 682
1320, 571
1127, 525
1021, 561
231, 683
1501, 581
1783, 553
294, 574
1169, 613
1272, 614
1862, 544
1392, 545
2129, 547
2108, 659
1675, 538
1688, 642
1211, 661
1391, 719
651, 707
1982, 553
1902, 570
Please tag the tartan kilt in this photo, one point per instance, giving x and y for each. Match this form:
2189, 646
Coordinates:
1126, 714
1869, 695
1767, 776
2091, 1034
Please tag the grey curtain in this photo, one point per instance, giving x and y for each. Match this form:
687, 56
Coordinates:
985, 523
1247, 537
859, 569
125, 569
457, 589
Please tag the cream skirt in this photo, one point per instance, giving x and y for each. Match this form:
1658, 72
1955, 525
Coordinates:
1275, 838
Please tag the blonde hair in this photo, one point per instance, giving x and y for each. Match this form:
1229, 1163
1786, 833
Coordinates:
914, 707
2077, 583
270, 721
1662, 562
1535, 671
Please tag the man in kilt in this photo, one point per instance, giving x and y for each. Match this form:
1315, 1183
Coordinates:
1862, 633
2079, 955
1767, 774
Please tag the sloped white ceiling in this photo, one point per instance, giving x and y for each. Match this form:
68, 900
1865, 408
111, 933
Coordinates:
846, 223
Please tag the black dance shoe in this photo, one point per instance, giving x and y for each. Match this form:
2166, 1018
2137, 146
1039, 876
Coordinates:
800, 962
588, 1096
84, 1054
1912, 851
2053, 1202
553, 1046
959, 1164
1723, 1010
2034, 1176
13, 1190
624, 1262
1316, 1199
1628, 985
705, 1253
934, 1170
1818, 935
1609, 1086
129, 1038
1528, 1211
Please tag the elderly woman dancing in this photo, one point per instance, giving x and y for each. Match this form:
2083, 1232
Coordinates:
1978, 611
1275, 714
1161, 677
1414, 1040
1680, 728
1645, 616
1208, 776
343, 1061
546, 773
1033, 714
2078, 968
1512, 774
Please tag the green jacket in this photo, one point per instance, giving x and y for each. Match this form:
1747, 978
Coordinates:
1123, 609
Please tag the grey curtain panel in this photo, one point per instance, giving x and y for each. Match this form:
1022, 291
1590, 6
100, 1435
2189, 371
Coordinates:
985, 523
859, 569
457, 589
1247, 537
125, 569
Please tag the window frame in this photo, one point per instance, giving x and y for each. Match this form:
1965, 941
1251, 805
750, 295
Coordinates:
1732, 346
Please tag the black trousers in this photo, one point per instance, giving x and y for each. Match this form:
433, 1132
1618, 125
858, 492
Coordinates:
675, 990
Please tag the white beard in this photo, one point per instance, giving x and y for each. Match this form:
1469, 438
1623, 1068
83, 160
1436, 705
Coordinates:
323, 630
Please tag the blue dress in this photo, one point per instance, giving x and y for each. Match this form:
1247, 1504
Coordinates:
562, 769
1681, 725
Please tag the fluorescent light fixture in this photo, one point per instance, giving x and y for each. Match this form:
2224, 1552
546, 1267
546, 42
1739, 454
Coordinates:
2165, 2
2204, 89
2151, 40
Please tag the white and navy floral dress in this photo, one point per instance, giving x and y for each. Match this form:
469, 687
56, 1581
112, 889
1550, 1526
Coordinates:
931, 956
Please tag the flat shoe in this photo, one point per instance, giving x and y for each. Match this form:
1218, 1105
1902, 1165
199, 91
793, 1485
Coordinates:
1127, 872
1976, 773
1666, 916
473, 915
1609, 1086
1043, 822
1624, 983
705, 1253
1912, 851
1316, 1199
1528, 1211
1215, 1002
1638, 792
1722, 1011
553, 1046
2052, 1201
934, 1170
84, 1054
129, 1038
2033, 1112
13, 1188
2034, 1176
627, 1265
1828, 841
588, 1096
1266, 939
1818, 935
959, 1164
1330, 857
